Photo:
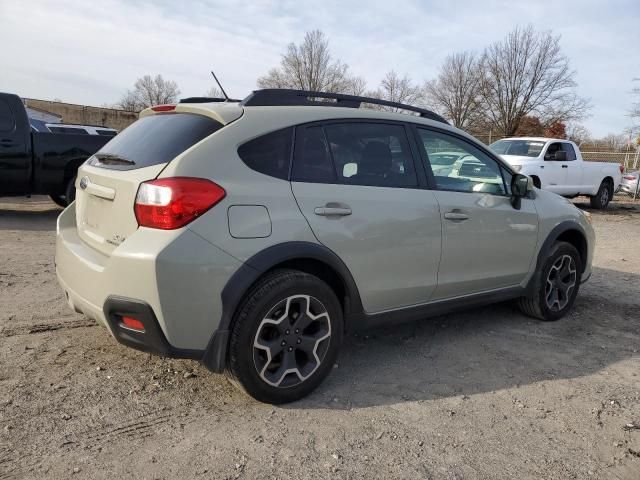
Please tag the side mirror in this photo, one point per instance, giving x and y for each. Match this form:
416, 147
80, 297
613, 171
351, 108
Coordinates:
560, 156
520, 185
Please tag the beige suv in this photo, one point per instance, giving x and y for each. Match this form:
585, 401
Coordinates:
251, 235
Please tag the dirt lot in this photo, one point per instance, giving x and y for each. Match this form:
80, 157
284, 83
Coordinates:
486, 393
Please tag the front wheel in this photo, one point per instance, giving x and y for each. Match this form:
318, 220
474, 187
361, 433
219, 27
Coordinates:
285, 337
556, 284
601, 199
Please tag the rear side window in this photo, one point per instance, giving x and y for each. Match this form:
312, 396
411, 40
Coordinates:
269, 154
7, 122
107, 133
77, 131
154, 140
571, 153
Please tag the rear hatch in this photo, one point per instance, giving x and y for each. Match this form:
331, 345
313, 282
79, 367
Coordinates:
108, 182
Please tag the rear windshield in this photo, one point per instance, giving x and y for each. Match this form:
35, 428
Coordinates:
154, 140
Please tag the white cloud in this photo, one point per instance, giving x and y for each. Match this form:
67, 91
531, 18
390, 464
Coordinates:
91, 52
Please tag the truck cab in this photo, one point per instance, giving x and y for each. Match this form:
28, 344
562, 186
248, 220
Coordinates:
15, 146
557, 165
33, 162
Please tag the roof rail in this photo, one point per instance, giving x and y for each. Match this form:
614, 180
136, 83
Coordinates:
206, 100
284, 96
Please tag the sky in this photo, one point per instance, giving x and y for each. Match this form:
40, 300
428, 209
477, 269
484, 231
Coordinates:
91, 52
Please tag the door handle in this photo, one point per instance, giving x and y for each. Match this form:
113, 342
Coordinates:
565, 166
6, 143
332, 211
456, 216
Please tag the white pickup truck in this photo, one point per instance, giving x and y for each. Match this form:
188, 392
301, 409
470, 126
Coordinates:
557, 165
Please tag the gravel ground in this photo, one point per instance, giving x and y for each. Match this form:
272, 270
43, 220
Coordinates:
486, 393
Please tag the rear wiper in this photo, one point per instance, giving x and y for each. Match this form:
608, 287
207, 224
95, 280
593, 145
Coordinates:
111, 159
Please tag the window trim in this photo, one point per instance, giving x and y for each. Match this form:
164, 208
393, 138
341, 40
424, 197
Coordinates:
502, 165
413, 150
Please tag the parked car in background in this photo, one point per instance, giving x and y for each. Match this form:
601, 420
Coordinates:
629, 183
251, 235
557, 166
442, 162
33, 162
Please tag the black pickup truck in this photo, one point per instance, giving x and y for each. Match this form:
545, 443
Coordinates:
37, 162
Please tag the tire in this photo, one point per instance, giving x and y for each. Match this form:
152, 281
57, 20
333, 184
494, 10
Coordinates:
544, 304
59, 200
274, 358
69, 195
70, 192
601, 199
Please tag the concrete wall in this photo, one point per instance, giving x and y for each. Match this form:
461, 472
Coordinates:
71, 113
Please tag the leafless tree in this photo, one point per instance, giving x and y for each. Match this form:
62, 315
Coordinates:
214, 92
394, 88
356, 86
456, 92
578, 133
612, 141
634, 113
309, 66
528, 74
148, 91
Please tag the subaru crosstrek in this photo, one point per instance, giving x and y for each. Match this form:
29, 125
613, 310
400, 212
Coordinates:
251, 235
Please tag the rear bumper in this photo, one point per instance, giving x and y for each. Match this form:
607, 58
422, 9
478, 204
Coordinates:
172, 279
630, 189
151, 339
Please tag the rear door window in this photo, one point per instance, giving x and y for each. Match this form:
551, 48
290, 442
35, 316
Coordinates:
354, 153
373, 154
154, 140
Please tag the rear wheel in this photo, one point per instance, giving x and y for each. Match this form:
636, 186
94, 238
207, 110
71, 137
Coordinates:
59, 200
601, 199
556, 284
285, 337
69, 194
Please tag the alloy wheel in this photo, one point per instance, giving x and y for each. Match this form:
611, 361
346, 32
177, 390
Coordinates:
561, 281
291, 341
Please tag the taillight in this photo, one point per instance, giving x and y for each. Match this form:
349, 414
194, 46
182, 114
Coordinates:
170, 203
621, 167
